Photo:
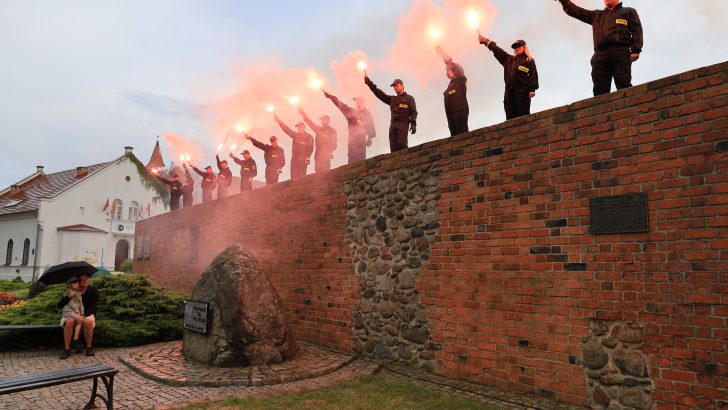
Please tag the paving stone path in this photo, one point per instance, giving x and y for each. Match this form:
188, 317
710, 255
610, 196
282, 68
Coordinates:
134, 391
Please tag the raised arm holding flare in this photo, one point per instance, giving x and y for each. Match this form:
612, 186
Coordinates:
403, 113
248, 170
520, 76
302, 147
325, 140
275, 159
456, 98
359, 130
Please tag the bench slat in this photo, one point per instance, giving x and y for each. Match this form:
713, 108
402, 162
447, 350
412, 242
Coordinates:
61, 376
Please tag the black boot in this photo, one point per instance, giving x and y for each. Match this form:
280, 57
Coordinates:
65, 355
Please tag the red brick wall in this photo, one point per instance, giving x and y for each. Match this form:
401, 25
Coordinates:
515, 277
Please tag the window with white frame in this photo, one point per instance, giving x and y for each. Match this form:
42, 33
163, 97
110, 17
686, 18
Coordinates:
134, 210
117, 208
9, 254
26, 252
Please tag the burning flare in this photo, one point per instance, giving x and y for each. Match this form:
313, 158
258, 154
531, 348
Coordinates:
270, 108
361, 65
182, 157
435, 33
233, 147
316, 83
219, 147
187, 156
294, 100
239, 128
474, 19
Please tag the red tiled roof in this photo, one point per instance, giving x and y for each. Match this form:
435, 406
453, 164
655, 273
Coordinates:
79, 228
156, 160
42, 186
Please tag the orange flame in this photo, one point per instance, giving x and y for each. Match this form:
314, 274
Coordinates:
219, 147
240, 128
233, 147
361, 65
294, 100
270, 108
435, 33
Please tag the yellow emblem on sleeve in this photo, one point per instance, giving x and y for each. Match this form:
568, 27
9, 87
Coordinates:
451, 92
622, 22
524, 69
403, 106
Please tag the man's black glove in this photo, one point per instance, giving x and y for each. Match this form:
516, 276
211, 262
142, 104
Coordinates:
413, 128
367, 81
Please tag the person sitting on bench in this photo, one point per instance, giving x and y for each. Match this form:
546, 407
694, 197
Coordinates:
73, 310
90, 297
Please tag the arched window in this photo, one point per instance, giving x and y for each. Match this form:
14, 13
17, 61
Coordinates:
9, 255
117, 207
134, 210
26, 251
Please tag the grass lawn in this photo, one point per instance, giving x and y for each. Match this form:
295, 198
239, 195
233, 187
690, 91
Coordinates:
369, 392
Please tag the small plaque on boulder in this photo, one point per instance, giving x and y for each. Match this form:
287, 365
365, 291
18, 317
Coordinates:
618, 214
197, 316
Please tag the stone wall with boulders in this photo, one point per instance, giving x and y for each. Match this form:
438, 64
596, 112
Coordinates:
391, 222
616, 367
515, 277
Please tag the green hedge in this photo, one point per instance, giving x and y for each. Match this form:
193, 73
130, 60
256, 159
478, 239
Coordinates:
131, 312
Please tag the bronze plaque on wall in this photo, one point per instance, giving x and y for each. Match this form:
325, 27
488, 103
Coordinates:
618, 214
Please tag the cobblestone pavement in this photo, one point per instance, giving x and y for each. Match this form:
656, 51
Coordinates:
134, 391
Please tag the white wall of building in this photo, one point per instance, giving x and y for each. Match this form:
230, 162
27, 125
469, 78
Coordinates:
83, 204
17, 227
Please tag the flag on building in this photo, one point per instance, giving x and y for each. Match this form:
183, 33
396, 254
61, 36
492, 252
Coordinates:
106, 205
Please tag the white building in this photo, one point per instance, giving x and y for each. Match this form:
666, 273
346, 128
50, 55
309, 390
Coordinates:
87, 213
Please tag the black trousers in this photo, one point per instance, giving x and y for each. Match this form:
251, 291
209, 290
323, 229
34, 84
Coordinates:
222, 191
298, 167
457, 122
271, 175
206, 195
246, 184
608, 64
323, 161
517, 103
357, 148
174, 202
187, 200
398, 132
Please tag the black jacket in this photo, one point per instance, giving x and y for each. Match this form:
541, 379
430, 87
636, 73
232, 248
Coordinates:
519, 73
360, 121
187, 189
248, 169
175, 187
618, 28
325, 138
209, 181
302, 144
224, 176
90, 301
274, 156
401, 106
456, 94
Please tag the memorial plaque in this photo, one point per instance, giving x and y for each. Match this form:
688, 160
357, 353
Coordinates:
618, 214
197, 316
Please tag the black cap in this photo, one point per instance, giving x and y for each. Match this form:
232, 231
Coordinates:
208, 167
300, 124
518, 43
273, 137
396, 81
246, 152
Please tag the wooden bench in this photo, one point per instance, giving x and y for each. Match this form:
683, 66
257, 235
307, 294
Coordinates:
62, 376
29, 327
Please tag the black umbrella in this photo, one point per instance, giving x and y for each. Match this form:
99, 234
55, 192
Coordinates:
61, 273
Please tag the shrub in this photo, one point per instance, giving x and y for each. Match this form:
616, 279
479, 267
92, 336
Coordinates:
13, 285
126, 265
131, 312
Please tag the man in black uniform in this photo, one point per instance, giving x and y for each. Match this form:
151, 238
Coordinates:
456, 98
224, 177
301, 150
175, 190
361, 127
618, 42
274, 158
248, 170
520, 75
187, 188
325, 141
404, 113
208, 182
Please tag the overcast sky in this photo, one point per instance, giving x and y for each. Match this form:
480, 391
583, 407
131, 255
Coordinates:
82, 79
